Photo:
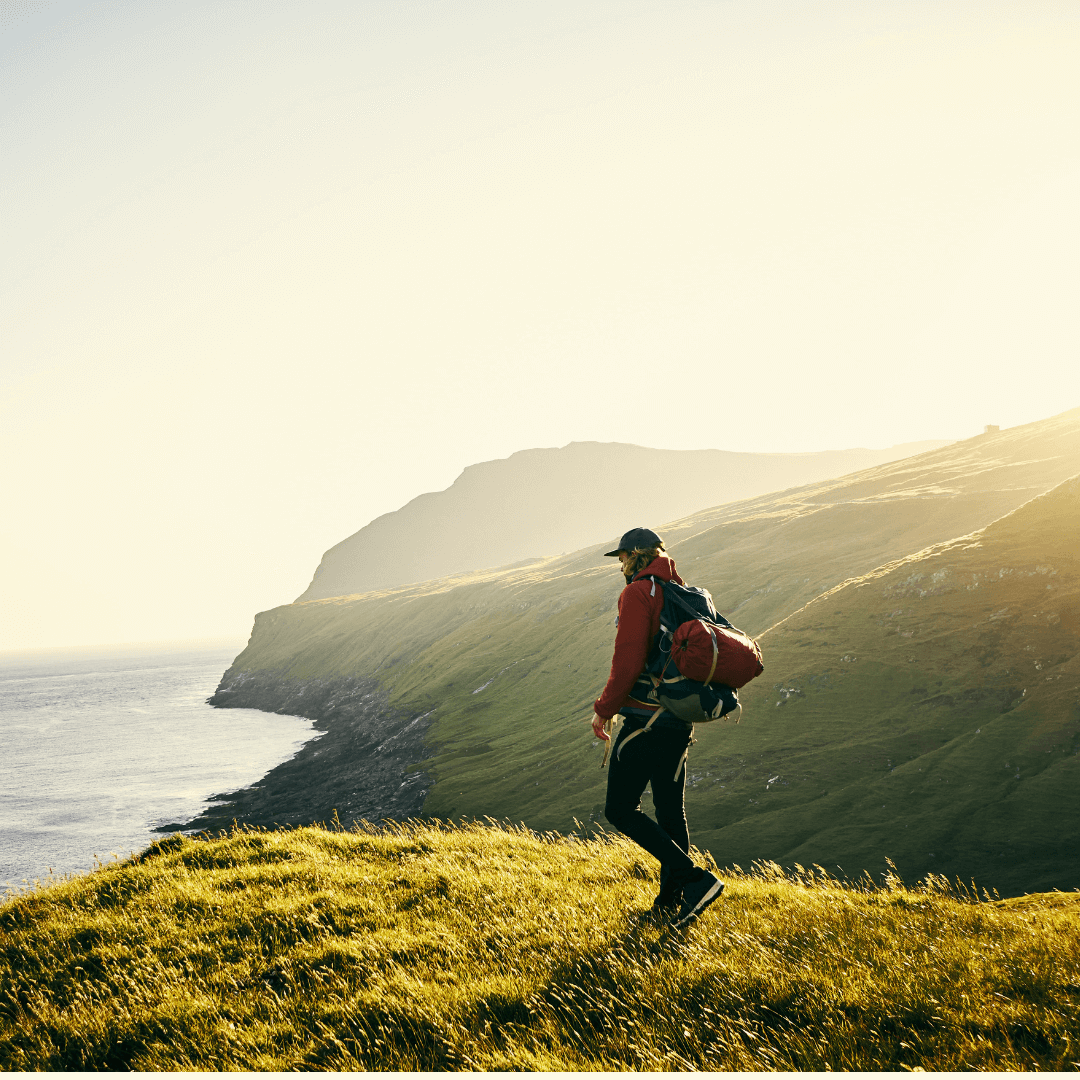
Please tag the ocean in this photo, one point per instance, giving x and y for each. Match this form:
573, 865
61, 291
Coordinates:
98, 747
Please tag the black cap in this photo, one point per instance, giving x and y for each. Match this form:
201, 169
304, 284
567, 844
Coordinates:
636, 538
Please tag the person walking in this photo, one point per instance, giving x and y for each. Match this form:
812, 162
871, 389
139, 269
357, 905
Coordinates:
652, 745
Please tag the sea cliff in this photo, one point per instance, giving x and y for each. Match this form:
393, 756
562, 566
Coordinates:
362, 765
489, 676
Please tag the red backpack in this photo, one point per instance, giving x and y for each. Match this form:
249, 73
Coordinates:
712, 658
711, 653
704, 646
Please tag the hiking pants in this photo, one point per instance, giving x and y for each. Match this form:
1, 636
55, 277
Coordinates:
656, 758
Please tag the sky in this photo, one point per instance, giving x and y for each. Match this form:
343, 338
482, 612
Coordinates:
270, 270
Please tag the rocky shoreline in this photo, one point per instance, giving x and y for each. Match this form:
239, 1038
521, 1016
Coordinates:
361, 765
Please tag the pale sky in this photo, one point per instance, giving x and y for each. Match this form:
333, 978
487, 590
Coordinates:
272, 269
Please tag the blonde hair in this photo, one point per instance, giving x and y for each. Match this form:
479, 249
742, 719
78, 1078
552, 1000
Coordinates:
639, 558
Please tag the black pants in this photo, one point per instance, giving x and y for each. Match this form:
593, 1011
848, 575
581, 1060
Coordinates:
656, 758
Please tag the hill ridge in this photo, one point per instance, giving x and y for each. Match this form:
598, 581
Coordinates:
543, 500
944, 546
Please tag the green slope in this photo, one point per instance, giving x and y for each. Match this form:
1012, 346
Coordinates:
506, 665
928, 712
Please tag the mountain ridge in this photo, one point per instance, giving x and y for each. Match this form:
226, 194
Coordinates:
546, 500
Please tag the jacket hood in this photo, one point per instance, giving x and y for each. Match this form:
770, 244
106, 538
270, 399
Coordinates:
663, 567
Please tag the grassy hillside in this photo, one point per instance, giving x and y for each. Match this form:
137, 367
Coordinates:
928, 711
427, 948
504, 666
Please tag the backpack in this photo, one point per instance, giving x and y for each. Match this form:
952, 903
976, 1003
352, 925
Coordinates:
698, 660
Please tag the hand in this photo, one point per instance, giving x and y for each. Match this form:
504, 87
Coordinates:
599, 724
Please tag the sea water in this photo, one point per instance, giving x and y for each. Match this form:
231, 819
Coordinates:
97, 748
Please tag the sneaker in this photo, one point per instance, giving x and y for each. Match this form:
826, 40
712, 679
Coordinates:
697, 896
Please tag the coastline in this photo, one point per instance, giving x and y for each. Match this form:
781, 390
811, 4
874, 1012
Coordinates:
362, 763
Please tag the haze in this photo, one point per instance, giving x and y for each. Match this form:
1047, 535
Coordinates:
270, 271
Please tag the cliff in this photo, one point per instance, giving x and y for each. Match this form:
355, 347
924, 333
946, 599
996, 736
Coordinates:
361, 765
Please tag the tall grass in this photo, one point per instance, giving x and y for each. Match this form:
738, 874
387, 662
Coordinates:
481, 946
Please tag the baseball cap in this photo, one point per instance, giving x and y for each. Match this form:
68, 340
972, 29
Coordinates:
636, 538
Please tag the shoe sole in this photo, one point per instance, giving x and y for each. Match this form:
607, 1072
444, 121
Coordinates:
702, 904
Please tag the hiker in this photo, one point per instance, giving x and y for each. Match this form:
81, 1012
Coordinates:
653, 755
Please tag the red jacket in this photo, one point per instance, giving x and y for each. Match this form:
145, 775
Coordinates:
638, 624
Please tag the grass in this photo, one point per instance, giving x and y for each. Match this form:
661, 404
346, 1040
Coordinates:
478, 946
